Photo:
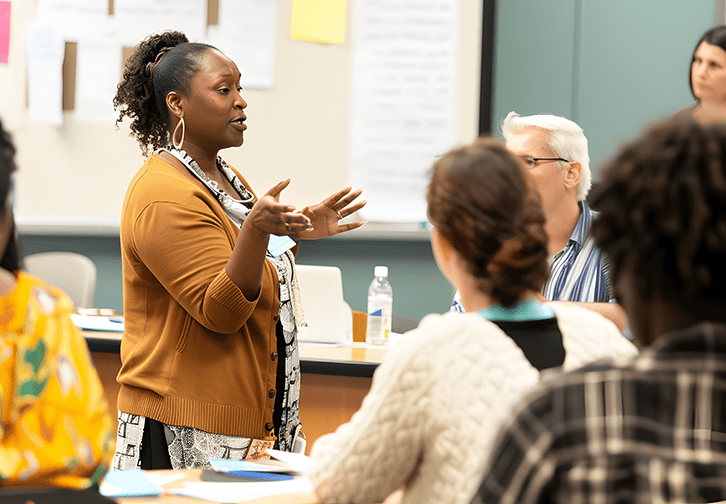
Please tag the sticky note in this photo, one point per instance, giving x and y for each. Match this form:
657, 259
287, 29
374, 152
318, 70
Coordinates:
4, 31
318, 21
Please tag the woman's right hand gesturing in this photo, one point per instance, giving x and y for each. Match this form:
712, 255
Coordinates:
269, 216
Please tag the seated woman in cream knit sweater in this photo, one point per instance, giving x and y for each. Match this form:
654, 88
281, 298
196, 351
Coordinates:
436, 400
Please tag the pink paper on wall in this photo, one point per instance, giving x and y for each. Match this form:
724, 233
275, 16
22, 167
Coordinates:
4, 31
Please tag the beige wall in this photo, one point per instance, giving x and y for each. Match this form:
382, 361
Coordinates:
79, 172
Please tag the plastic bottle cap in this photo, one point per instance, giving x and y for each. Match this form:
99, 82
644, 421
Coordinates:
381, 271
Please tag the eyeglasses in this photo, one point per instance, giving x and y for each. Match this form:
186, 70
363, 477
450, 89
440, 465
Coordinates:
532, 162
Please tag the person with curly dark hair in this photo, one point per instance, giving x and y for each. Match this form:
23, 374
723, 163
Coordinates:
436, 400
56, 429
209, 355
651, 430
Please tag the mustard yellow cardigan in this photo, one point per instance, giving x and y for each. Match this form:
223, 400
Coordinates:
195, 351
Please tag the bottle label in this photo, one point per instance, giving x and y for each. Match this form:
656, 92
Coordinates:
380, 308
376, 332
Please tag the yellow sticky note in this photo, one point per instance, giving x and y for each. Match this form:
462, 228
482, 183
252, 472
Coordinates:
318, 21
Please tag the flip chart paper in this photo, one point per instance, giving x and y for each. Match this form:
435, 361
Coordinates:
98, 71
144, 17
73, 17
45, 52
403, 102
246, 33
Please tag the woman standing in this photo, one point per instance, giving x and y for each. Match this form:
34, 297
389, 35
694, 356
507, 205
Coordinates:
436, 401
210, 364
708, 77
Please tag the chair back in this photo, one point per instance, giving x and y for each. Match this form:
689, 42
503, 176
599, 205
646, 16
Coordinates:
399, 324
403, 323
360, 325
329, 317
74, 274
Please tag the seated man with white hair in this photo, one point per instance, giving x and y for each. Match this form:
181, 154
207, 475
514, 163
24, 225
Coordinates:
554, 149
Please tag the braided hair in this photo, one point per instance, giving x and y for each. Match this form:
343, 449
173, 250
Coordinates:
662, 205
160, 63
484, 204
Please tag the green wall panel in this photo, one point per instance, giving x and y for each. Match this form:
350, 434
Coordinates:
534, 57
612, 66
633, 64
418, 286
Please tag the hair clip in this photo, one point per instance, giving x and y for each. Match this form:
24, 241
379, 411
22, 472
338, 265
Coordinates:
151, 65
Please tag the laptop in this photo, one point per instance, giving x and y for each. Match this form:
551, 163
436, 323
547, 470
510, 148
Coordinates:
329, 317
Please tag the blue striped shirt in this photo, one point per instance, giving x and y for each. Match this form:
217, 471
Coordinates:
578, 272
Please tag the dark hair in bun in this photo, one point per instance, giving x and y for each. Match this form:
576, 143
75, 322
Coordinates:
483, 203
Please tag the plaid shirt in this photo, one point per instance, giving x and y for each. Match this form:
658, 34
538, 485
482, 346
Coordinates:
653, 430
578, 272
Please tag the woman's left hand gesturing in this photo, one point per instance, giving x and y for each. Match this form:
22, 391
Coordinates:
325, 215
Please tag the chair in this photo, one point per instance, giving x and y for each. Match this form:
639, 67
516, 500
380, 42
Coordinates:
74, 274
403, 323
360, 324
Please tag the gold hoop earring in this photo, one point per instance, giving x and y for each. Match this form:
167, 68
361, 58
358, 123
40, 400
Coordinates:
173, 135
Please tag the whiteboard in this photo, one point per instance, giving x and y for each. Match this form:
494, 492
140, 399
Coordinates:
72, 178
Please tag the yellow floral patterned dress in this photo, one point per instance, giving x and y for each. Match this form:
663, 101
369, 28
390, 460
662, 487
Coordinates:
56, 429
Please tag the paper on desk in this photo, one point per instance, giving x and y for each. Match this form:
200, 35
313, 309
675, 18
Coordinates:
294, 462
128, 483
98, 323
280, 462
325, 345
240, 492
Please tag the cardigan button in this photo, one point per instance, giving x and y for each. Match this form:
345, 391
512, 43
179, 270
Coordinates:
269, 426
274, 356
271, 393
282, 280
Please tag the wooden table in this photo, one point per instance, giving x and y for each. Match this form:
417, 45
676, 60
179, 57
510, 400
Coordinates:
334, 379
193, 475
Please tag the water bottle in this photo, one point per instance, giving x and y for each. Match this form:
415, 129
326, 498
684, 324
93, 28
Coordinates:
380, 308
